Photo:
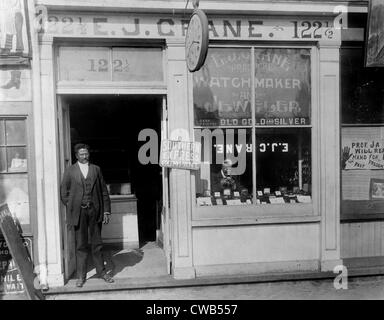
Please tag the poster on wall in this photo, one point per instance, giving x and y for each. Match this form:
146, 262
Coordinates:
15, 48
375, 35
363, 154
15, 85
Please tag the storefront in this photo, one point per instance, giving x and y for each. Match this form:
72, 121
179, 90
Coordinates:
267, 99
17, 176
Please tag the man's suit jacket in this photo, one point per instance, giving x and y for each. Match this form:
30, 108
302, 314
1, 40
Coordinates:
71, 193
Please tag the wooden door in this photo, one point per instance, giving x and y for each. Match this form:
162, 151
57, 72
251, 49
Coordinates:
68, 244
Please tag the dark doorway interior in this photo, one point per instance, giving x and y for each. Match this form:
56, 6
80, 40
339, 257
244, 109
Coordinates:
110, 125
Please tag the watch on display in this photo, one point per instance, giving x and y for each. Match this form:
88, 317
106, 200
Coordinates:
196, 41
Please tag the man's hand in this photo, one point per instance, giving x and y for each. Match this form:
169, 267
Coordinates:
107, 218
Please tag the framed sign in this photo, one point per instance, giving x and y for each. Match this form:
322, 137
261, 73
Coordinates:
376, 189
375, 35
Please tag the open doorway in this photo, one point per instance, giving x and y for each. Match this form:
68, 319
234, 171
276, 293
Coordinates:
110, 125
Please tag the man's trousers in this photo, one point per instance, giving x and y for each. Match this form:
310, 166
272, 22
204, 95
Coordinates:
88, 223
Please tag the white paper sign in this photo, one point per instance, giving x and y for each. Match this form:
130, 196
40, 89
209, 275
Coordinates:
180, 155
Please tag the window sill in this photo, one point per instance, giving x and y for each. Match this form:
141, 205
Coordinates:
362, 217
254, 221
254, 214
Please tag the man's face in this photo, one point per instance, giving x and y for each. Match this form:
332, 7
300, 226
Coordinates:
83, 156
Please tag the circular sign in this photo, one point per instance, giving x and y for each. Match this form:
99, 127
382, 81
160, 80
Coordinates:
196, 41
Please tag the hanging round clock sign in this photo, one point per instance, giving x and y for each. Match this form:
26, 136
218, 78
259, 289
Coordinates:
196, 41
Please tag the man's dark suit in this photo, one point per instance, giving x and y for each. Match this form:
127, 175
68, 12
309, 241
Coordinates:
72, 190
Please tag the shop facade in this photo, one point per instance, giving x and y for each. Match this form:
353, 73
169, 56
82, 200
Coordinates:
270, 98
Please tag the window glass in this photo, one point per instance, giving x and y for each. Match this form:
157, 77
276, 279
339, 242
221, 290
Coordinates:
15, 131
15, 193
84, 64
223, 105
2, 133
13, 162
282, 86
283, 165
138, 64
362, 95
17, 159
222, 89
3, 160
111, 64
362, 144
225, 177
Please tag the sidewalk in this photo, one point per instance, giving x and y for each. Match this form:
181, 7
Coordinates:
145, 268
358, 289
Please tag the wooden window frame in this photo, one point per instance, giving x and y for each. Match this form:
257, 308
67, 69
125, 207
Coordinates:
271, 213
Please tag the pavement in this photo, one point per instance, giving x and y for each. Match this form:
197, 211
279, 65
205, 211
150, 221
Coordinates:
141, 274
362, 288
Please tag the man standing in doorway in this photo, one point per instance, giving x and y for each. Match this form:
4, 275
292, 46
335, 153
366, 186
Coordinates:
84, 192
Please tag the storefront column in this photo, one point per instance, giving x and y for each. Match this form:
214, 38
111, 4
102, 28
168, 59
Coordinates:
180, 180
50, 180
329, 153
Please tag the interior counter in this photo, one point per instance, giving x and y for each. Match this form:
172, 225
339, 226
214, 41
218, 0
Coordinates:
123, 227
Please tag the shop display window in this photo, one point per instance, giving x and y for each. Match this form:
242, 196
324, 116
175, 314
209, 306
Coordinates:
252, 115
362, 145
14, 168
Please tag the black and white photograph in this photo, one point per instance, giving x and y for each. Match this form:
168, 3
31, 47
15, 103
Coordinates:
190, 155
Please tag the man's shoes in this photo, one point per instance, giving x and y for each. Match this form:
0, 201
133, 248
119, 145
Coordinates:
80, 283
107, 278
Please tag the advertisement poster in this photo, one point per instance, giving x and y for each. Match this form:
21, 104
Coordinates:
363, 155
282, 82
180, 155
15, 85
375, 35
14, 33
10, 278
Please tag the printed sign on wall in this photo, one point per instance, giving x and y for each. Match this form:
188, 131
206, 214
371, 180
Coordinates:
363, 155
14, 34
15, 85
170, 26
180, 155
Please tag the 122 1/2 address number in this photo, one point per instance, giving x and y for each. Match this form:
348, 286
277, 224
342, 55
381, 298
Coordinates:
102, 65
312, 30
